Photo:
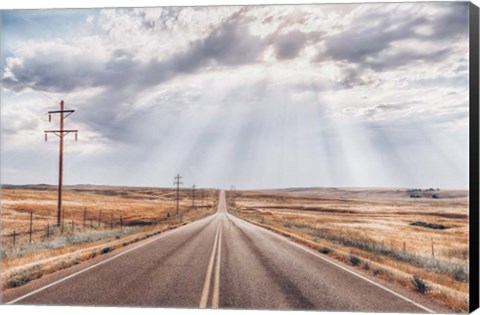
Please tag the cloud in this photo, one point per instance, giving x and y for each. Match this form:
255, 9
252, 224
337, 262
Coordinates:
230, 44
223, 91
373, 33
60, 66
451, 22
289, 45
55, 66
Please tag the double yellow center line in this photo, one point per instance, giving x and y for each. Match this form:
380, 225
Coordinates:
208, 277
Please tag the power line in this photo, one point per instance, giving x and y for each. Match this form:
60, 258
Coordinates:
60, 133
34, 90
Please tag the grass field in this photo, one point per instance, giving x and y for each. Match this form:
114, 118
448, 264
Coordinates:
418, 238
96, 219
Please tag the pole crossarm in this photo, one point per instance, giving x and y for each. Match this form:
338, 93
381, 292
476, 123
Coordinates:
67, 111
61, 111
62, 131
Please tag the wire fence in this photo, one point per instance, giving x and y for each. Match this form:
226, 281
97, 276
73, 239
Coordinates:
100, 221
43, 232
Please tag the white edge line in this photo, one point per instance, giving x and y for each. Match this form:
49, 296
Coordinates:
308, 250
163, 235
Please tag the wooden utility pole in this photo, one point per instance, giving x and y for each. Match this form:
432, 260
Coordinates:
178, 183
60, 133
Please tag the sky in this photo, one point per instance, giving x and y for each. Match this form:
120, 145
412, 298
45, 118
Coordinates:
340, 95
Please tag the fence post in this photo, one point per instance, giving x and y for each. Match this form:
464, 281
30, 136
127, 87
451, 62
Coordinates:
84, 217
121, 223
30, 232
14, 236
48, 231
99, 219
111, 219
73, 227
63, 219
433, 250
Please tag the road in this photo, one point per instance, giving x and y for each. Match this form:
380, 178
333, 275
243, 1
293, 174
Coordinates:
219, 261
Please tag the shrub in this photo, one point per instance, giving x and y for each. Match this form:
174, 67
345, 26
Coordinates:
106, 250
419, 284
354, 260
456, 269
430, 225
324, 250
64, 240
366, 265
288, 225
19, 281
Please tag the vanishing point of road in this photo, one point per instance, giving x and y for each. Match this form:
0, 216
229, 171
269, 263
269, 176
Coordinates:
219, 262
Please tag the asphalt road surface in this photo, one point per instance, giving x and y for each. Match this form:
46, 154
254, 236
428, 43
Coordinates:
219, 262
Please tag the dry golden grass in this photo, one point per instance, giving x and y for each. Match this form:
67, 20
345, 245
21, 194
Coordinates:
144, 212
374, 225
135, 205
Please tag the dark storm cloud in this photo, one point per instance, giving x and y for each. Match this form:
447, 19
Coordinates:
124, 79
230, 44
289, 45
55, 73
372, 34
358, 43
353, 75
452, 22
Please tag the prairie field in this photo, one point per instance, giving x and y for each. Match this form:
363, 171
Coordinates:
92, 216
414, 237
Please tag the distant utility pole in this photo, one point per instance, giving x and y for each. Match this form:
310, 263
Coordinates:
178, 183
60, 133
193, 196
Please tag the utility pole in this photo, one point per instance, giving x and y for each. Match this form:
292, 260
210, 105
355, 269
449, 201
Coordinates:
60, 133
178, 183
193, 196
